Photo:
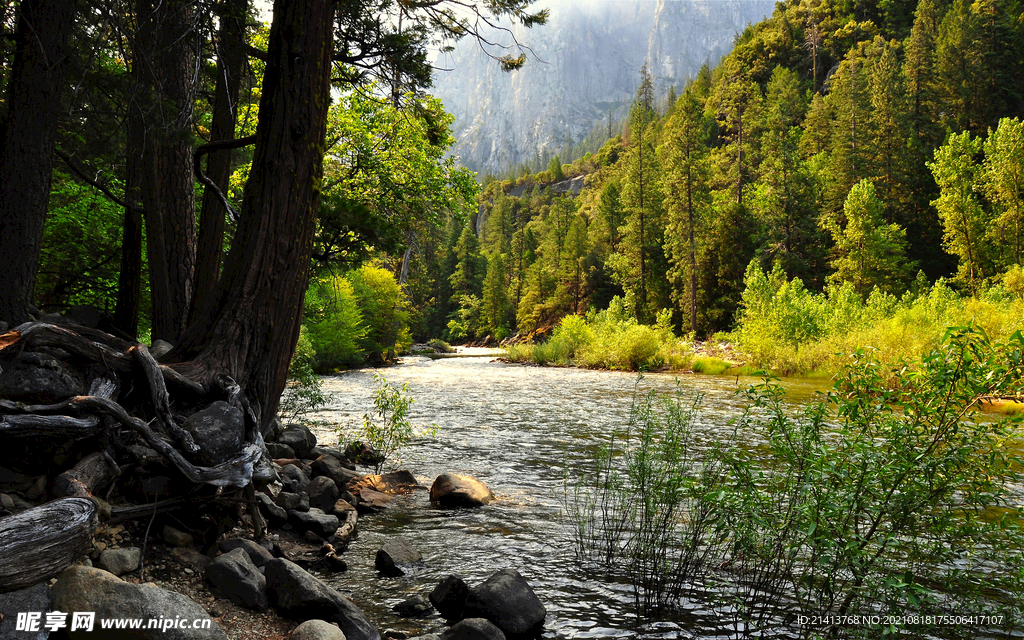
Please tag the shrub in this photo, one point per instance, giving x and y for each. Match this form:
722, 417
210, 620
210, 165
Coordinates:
334, 324
389, 429
385, 316
886, 497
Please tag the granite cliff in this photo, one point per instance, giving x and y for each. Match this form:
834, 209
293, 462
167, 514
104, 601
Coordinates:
585, 63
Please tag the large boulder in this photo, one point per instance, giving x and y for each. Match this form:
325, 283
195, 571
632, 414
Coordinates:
292, 501
507, 600
316, 630
323, 493
453, 490
299, 438
30, 599
37, 378
331, 467
256, 552
397, 557
298, 594
81, 588
449, 597
219, 430
415, 607
371, 501
233, 575
315, 520
294, 478
473, 629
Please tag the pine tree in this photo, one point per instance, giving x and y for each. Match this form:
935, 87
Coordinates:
685, 156
891, 130
495, 307
868, 252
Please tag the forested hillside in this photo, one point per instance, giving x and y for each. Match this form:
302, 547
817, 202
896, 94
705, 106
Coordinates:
866, 149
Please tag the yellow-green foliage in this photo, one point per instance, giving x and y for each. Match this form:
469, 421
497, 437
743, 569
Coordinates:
610, 339
789, 330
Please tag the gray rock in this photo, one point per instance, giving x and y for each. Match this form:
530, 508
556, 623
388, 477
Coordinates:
507, 600
294, 478
415, 607
160, 348
299, 438
328, 465
3, 327
256, 552
36, 378
192, 558
316, 630
397, 557
29, 599
452, 490
274, 514
323, 493
371, 501
88, 589
315, 521
280, 451
473, 629
292, 501
234, 576
449, 597
219, 430
296, 593
316, 452
120, 561
176, 538
37, 489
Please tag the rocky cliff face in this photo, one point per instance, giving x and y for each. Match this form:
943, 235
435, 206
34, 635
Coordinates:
587, 61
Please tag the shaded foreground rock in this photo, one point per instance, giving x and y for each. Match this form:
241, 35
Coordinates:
449, 597
453, 490
414, 607
234, 576
34, 598
256, 552
298, 594
473, 629
507, 600
219, 430
316, 630
397, 557
87, 589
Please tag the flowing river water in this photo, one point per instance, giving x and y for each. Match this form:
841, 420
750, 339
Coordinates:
515, 428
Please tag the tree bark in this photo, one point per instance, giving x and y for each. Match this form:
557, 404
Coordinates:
165, 53
26, 160
231, 58
251, 330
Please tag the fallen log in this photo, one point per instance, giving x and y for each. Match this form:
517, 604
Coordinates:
37, 544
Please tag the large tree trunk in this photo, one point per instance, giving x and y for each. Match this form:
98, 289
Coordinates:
251, 330
231, 58
26, 161
129, 284
165, 53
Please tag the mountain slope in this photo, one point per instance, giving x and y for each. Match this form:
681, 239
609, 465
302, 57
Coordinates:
586, 63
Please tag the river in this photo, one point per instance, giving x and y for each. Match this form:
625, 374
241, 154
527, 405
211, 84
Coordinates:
515, 428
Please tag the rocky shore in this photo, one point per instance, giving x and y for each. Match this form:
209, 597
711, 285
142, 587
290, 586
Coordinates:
167, 567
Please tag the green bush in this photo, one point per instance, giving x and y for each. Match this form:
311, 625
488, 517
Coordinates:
384, 311
334, 324
789, 330
888, 497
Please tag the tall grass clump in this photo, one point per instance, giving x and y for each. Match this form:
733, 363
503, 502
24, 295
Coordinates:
890, 496
786, 328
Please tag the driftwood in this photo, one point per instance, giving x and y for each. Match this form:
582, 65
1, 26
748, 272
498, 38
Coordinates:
38, 544
96, 470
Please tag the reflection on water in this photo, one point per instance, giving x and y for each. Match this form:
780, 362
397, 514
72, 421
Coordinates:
513, 427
